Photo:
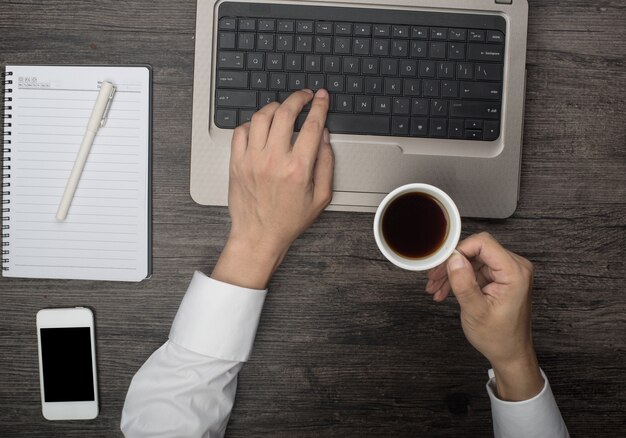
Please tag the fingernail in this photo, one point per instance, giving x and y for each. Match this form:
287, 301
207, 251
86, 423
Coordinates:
306, 90
326, 136
321, 93
456, 262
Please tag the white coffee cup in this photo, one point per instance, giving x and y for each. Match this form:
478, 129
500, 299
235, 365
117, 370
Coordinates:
450, 241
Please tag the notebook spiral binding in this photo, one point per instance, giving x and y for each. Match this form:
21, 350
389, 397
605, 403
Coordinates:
6, 82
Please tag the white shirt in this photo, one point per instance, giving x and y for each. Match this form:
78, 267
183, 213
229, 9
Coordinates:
187, 387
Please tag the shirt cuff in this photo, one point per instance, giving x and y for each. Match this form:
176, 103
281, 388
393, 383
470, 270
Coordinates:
218, 319
536, 417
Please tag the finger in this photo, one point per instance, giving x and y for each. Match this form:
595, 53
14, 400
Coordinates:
434, 285
310, 137
442, 293
464, 286
487, 250
323, 171
239, 143
260, 126
285, 118
438, 272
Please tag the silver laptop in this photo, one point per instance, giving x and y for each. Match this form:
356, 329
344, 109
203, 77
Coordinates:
422, 91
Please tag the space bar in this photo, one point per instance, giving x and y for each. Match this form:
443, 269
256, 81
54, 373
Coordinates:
357, 124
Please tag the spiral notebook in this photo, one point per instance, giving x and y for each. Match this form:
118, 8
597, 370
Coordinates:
106, 235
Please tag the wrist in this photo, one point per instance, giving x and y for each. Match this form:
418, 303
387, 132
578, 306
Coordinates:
248, 262
519, 379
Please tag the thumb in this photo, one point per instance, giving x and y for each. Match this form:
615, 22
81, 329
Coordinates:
464, 285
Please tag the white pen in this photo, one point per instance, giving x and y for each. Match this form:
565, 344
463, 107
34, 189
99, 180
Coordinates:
96, 121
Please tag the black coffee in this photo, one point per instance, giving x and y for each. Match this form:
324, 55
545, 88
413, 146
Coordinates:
414, 225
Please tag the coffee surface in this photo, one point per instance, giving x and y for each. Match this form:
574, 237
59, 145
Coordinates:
414, 225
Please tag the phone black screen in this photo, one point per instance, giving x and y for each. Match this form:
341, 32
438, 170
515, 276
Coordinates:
67, 367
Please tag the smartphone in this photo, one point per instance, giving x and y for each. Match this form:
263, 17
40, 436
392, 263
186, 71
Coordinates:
67, 364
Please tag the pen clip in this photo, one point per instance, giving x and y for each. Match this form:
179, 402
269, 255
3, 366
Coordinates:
108, 107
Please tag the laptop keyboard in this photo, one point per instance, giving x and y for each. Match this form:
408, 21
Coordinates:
388, 72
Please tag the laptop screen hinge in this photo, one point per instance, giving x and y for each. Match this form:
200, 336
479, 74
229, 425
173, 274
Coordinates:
504, 2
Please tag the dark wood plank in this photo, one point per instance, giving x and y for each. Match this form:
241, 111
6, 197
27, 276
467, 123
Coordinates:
349, 345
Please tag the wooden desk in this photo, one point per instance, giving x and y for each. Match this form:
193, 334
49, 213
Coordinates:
349, 345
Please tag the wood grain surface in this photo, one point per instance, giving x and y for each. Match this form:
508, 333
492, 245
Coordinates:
349, 345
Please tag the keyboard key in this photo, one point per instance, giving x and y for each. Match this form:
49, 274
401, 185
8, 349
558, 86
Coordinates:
481, 90
455, 128
304, 43
457, 34
491, 130
438, 33
380, 47
297, 81
354, 84
438, 127
226, 118
476, 36
374, 85
357, 124
439, 108
363, 104
473, 124
313, 63
464, 71
227, 40
278, 81
232, 79
258, 80
369, 66
399, 126
363, 29
284, 43
265, 41
323, 45
472, 108
456, 51
408, 68
473, 134
382, 105
382, 30
411, 87
489, 72
267, 25
351, 65
274, 61
245, 41
343, 103
399, 48
419, 49
361, 46
245, 116
393, 86
293, 62
438, 50
485, 52
445, 70
228, 24
419, 32
400, 31
247, 24
419, 107
430, 88
343, 28
449, 89
401, 106
266, 97
332, 64
495, 36
254, 61
286, 26
419, 127
389, 67
304, 27
426, 69
335, 84
324, 28
316, 82
227, 60
236, 99
343, 45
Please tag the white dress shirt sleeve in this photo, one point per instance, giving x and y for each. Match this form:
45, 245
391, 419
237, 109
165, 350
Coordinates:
538, 417
187, 387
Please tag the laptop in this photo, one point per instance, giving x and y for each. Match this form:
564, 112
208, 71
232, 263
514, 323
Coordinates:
427, 91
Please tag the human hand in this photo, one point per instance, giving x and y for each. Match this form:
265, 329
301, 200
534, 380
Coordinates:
277, 189
494, 292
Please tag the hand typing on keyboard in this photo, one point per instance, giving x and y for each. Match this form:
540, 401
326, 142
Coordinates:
277, 189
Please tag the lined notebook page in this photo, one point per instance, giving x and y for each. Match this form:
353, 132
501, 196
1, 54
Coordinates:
106, 233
